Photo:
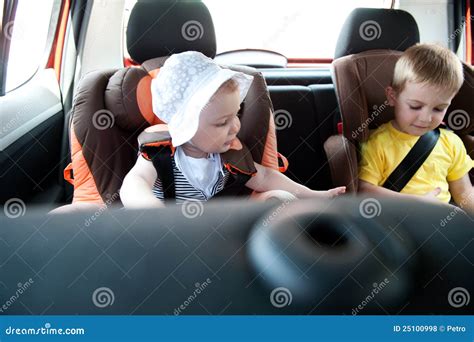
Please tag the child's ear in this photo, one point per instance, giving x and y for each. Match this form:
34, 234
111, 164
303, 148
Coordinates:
391, 95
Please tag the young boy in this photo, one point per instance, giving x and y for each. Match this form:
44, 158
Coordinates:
199, 101
426, 78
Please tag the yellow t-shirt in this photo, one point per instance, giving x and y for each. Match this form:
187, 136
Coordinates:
387, 147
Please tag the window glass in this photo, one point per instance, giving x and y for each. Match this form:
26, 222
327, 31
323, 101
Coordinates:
296, 28
28, 35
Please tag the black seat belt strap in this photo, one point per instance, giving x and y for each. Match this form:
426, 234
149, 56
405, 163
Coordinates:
164, 167
405, 171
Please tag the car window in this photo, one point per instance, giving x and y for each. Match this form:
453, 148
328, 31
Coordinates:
296, 29
306, 29
28, 35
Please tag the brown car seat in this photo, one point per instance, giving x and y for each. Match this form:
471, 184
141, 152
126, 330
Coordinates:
368, 47
112, 107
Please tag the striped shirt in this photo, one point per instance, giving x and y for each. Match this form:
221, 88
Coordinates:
184, 191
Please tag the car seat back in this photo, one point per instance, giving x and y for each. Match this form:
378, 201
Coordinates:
111, 108
369, 46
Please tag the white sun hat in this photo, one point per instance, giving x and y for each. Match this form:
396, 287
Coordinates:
185, 84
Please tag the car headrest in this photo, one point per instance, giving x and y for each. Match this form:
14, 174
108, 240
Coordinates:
161, 28
360, 81
376, 28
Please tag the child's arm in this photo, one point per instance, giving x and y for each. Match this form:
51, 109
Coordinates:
136, 187
267, 179
463, 193
368, 188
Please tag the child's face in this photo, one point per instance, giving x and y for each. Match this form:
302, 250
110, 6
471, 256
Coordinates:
218, 123
419, 108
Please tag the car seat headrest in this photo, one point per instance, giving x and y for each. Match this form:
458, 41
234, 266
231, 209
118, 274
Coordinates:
360, 81
122, 98
376, 28
161, 28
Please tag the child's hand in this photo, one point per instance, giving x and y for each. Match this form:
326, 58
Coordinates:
432, 196
336, 191
331, 193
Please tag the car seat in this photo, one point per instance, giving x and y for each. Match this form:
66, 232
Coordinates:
369, 45
112, 107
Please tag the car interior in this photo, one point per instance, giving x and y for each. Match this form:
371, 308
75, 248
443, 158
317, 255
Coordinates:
69, 130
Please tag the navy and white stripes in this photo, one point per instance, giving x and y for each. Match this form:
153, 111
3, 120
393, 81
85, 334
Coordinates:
184, 190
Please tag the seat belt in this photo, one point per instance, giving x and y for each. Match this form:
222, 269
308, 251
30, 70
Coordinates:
235, 186
407, 168
161, 158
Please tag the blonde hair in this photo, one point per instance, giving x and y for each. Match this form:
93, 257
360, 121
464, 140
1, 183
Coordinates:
431, 64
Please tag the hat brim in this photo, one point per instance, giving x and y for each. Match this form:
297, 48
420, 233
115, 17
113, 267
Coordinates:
183, 127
